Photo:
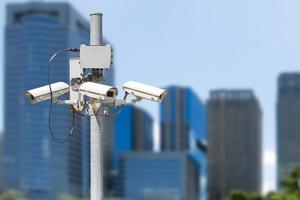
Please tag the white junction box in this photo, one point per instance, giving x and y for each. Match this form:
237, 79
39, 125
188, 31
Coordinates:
75, 71
96, 56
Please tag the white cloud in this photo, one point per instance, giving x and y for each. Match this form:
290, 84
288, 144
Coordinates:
269, 159
269, 169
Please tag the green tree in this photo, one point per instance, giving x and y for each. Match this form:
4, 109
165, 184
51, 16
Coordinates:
290, 190
241, 195
281, 196
291, 185
11, 195
66, 197
237, 195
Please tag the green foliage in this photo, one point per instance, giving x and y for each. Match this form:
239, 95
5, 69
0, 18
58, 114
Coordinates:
241, 195
291, 190
291, 184
281, 196
67, 197
11, 195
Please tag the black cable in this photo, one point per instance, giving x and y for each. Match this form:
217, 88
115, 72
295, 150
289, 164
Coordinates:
63, 50
51, 101
51, 132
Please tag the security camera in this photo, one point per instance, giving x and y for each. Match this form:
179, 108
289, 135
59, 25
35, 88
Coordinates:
43, 93
97, 90
144, 91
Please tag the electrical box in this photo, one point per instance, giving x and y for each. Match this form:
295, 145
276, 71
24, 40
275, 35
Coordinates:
95, 57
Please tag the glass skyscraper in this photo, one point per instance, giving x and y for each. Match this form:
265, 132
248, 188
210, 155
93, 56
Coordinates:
183, 127
288, 129
33, 162
163, 176
234, 142
1, 163
133, 133
182, 118
134, 130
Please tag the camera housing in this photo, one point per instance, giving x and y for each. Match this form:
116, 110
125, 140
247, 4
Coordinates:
143, 91
97, 90
43, 93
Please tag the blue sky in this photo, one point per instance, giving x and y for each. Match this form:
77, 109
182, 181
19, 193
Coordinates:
205, 45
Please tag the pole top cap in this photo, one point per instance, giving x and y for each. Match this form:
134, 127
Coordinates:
96, 13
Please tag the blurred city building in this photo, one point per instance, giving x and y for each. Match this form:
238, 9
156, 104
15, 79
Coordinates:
33, 162
163, 176
288, 128
234, 142
134, 133
182, 118
1, 163
183, 128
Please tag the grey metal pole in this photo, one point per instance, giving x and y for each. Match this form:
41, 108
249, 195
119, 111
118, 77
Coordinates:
96, 123
96, 28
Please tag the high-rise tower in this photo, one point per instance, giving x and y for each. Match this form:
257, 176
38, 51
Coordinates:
288, 129
234, 142
134, 133
183, 128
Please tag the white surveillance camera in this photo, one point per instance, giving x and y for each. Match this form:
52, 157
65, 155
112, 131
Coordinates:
97, 90
43, 93
144, 91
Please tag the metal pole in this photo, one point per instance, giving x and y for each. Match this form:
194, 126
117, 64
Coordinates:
96, 136
96, 28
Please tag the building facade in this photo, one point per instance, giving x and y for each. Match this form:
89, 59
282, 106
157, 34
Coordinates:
234, 142
288, 129
183, 128
182, 119
163, 176
33, 163
134, 130
1, 163
133, 133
